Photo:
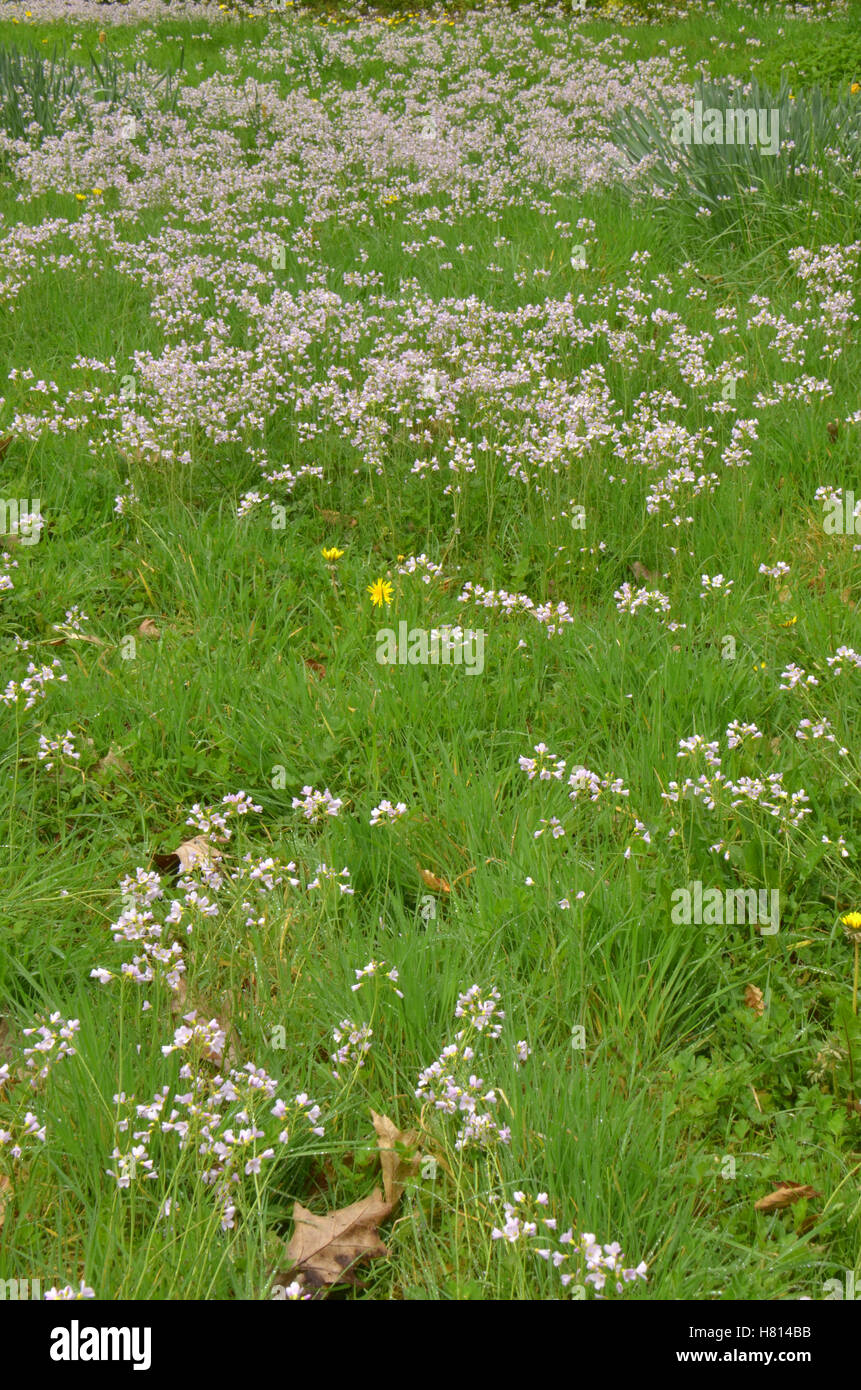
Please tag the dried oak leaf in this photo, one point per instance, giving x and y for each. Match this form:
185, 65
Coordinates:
784, 1195
190, 852
396, 1166
439, 885
753, 998
325, 1248
148, 628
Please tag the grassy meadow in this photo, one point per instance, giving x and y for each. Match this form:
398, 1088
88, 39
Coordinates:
316, 324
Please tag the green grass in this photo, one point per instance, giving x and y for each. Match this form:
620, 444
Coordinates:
685, 1105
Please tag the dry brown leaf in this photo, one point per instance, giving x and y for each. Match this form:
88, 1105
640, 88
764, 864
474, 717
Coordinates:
4, 444
784, 1195
148, 628
316, 666
5, 1196
325, 1248
336, 518
640, 572
189, 853
753, 998
439, 885
832, 427
197, 851
395, 1166
112, 762
178, 998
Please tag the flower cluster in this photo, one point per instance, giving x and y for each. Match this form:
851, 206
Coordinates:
580, 1260
226, 1122
34, 685
316, 806
50, 748
323, 874
374, 969
354, 1044
55, 1042
585, 783
214, 819
68, 1293
546, 767
451, 1085
552, 616
630, 600
387, 813
715, 584
718, 792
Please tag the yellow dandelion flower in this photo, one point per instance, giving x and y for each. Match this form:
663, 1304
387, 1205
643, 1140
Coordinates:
333, 553
381, 592
852, 919
856, 87
81, 197
99, 191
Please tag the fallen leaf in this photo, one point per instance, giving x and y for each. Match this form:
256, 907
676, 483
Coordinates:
112, 762
7, 1051
753, 998
197, 851
325, 1248
4, 444
316, 666
148, 628
190, 852
640, 572
832, 428
395, 1166
5, 1196
178, 997
439, 885
336, 518
784, 1195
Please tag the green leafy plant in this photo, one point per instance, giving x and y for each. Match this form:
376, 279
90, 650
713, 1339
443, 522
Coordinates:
827, 58
730, 182
35, 88
40, 94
